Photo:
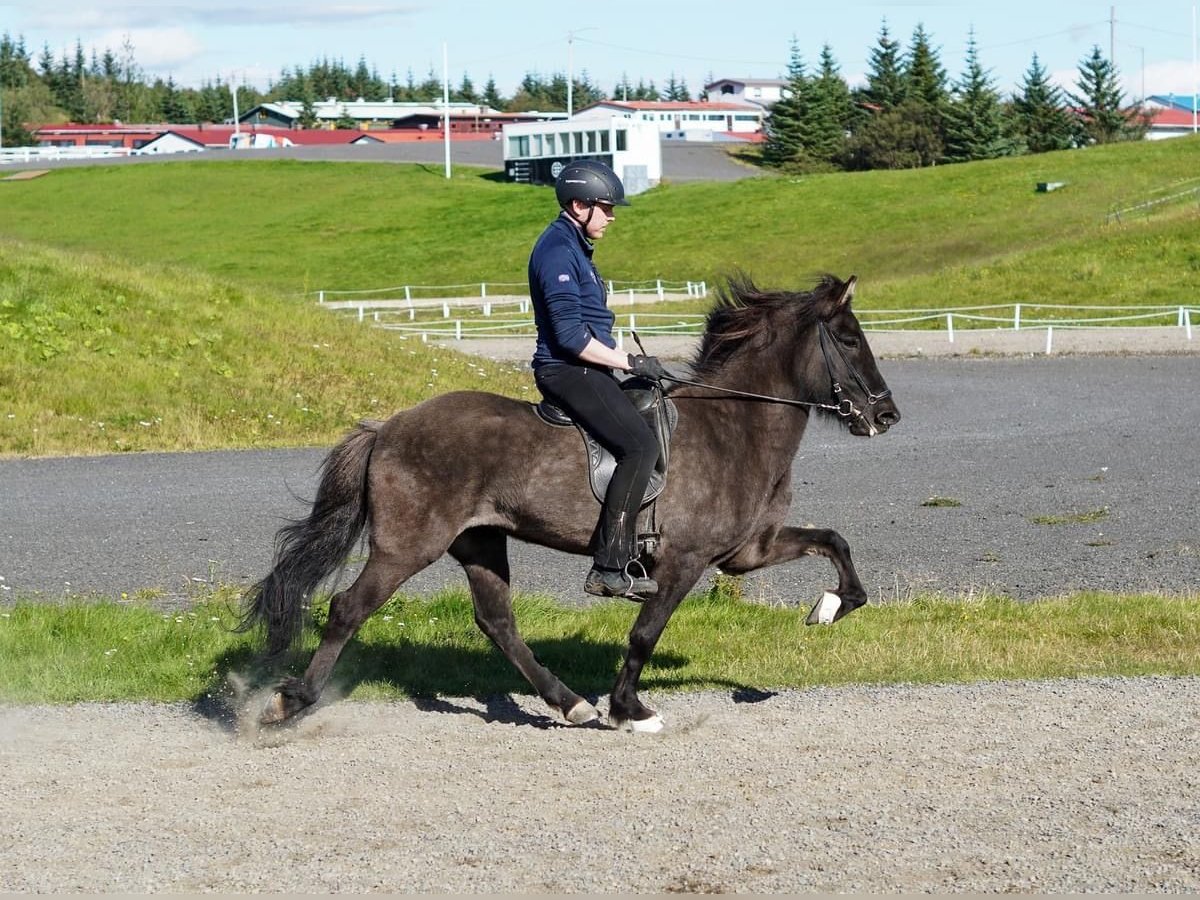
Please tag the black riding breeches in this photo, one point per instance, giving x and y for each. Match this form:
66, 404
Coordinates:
595, 400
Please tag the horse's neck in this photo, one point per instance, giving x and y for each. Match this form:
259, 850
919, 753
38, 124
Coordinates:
776, 428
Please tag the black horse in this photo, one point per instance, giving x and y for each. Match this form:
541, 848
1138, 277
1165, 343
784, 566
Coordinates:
463, 472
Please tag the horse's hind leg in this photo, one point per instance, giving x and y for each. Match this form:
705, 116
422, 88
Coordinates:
483, 553
379, 579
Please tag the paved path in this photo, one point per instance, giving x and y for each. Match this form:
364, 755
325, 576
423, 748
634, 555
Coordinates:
1009, 439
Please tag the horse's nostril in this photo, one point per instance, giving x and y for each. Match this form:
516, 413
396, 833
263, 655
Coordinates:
889, 417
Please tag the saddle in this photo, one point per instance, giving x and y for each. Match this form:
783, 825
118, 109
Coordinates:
658, 411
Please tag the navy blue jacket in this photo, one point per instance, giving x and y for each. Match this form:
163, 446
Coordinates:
570, 304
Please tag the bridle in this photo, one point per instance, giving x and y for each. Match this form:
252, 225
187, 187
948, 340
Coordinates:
840, 405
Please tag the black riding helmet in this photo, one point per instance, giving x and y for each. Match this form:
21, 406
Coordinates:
589, 181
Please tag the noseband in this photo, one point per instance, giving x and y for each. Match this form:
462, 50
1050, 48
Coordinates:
842, 406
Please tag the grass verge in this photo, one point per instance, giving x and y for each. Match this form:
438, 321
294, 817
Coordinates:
107, 651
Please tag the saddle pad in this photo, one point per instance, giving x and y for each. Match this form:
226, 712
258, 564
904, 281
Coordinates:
660, 414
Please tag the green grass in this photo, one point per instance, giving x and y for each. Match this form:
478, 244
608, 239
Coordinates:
98, 355
88, 651
1077, 518
164, 307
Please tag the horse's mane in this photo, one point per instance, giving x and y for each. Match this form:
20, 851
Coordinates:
743, 315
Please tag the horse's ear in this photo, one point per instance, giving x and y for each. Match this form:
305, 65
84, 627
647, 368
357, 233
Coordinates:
847, 291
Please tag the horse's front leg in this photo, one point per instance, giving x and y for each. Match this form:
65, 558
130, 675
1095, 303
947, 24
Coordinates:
788, 543
674, 581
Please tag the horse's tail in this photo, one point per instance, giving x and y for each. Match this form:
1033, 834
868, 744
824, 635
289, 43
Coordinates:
308, 550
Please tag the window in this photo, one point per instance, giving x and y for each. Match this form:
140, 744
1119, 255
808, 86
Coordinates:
622, 140
535, 145
604, 142
591, 142
578, 142
550, 146
518, 146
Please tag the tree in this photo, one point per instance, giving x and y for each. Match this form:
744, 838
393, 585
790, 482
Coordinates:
1041, 121
974, 121
833, 111
787, 142
885, 87
677, 91
491, 96
1099, 103
923, 74
899, 138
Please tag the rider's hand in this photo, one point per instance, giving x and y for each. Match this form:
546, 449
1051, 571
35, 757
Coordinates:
646, 367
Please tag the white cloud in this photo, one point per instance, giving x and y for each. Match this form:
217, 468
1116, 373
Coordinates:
155, 49
88, 17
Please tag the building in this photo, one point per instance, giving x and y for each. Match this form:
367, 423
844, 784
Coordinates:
1170, 115
694, 119
387, 115
764, 92
535, 152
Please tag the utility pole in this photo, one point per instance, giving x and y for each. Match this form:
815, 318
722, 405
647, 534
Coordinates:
571, 68
1112, 35
446, 104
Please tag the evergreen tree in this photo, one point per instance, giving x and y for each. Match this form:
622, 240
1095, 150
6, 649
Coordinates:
491, 96
923, 74
171, 102
832, 108
885, 87
1040, 120
1099, 103
787, 141
974, 120
466, 91
676, 91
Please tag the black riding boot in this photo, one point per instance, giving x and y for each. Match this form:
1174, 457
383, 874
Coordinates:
610, 575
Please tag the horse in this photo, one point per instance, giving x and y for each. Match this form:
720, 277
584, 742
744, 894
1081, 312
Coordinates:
463, 472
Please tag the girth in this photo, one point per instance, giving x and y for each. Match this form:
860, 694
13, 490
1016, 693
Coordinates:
659, 413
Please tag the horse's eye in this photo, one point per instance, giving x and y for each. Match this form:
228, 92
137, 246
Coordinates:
849, 341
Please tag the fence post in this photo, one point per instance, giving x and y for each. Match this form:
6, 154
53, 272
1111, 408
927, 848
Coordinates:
445, 310
483, 289
631, 296
487, 309
1049, 339
1179, 321
458, 329
407, 294
703, 289
320, 296
632, 323
360, 312
1187, 322
610, 286
1017, 318
950, 326
660, 289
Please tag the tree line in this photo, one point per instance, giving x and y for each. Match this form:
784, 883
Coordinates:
907, 114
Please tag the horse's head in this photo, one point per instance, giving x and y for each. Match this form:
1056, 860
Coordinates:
844, 359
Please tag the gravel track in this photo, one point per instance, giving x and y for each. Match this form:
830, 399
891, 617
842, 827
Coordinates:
1063, 786
1076, 786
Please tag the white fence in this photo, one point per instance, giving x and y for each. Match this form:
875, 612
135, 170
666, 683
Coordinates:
399, 315
48, 154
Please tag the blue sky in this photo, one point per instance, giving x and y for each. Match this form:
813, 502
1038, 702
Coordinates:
251, 40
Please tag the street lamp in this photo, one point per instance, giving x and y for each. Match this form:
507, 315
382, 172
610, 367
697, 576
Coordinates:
571, 68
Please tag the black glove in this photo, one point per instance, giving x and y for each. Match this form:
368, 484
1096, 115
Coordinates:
646, 367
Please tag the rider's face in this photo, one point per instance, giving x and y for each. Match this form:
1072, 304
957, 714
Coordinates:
593, 218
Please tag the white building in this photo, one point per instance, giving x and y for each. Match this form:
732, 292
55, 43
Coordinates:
680, 118
764, 92
535, 152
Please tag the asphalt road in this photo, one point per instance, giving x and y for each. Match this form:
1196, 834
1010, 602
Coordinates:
1007, 440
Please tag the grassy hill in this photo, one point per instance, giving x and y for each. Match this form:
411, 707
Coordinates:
162, 306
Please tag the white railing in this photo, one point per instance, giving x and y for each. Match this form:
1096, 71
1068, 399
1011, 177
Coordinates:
1006, 317
49, 154
489, 294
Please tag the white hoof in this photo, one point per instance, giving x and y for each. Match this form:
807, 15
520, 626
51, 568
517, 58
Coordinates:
825, 609
652, 725
582, 713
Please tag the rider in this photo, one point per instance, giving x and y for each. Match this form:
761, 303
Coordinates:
574, 360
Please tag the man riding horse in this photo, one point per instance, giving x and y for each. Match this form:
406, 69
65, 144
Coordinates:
574, 360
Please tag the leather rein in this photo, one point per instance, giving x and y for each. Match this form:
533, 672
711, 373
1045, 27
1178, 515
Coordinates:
841, 405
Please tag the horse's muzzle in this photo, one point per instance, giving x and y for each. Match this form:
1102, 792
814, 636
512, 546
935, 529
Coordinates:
876, 420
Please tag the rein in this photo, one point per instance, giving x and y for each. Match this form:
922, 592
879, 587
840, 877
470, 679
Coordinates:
842, 405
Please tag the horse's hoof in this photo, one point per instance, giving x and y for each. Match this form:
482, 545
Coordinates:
651, 725
275, 711
825, 610
582, 713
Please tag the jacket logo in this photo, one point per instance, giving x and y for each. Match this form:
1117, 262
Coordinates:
564, 277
